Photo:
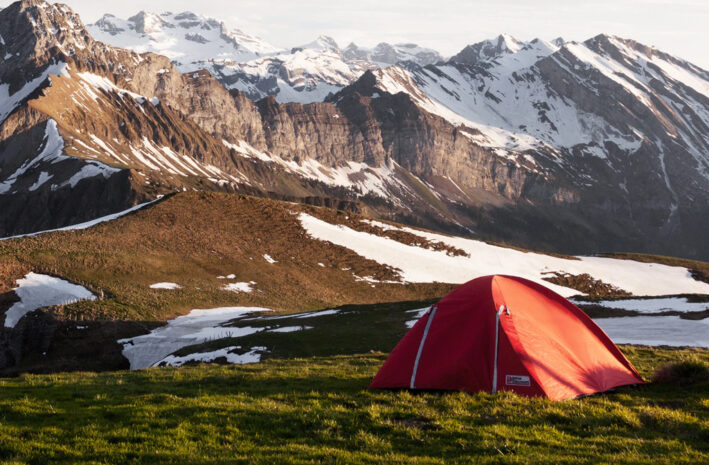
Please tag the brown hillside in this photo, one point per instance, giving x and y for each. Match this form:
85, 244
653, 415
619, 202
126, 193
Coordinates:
193, 238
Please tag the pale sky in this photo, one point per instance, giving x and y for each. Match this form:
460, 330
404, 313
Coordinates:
680, 27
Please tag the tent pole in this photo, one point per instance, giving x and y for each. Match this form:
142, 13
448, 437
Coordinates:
497, 338
423, 340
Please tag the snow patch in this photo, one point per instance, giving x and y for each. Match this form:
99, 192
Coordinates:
416, 264
165, 285
656, 330
8, 102
106, 85
38, 290
239, 287
199, 326
667, 304
51, 153
289, 329
41, 179
91, 170
317, 314
227, 353
419, 313
354, 175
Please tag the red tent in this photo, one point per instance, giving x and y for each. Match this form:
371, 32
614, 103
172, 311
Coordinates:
498, 333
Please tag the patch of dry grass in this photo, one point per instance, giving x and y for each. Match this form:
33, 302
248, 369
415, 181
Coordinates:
587, 284
682, 372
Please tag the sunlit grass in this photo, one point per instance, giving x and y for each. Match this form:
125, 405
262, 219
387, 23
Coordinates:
319, 410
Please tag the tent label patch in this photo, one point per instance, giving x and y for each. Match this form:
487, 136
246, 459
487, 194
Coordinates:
516, 380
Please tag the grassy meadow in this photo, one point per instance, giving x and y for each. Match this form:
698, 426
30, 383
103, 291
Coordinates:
319, 410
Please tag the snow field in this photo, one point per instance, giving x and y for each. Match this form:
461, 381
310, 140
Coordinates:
418, 265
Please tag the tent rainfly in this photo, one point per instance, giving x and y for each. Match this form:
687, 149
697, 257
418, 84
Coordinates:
505, 333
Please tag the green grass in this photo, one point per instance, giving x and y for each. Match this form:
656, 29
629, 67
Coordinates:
355, 329
319, 410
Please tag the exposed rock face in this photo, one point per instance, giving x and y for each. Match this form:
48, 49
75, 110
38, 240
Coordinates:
424, 144
320, 131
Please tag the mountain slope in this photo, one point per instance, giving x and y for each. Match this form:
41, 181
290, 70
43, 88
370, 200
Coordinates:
205, 250
628, 124
136, 118
619, 129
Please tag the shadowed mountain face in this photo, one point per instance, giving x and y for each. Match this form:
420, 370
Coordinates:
579, 148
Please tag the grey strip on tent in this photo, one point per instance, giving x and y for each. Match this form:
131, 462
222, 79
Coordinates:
423, 340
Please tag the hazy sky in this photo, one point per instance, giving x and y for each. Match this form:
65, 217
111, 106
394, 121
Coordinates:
680, 27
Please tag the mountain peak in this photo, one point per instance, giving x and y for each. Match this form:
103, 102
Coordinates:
31, 27
385, 54
185, 15
488, 49
24, 4
509, 42
147, 23
617, 47
188, 39
322, 43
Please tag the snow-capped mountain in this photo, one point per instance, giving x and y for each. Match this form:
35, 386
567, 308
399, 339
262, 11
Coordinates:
87, 129
385, 54
575, 147
488, 50
192, 42
620, 118
305, 73
585, 96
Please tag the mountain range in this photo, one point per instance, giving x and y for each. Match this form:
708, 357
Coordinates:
575, 147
